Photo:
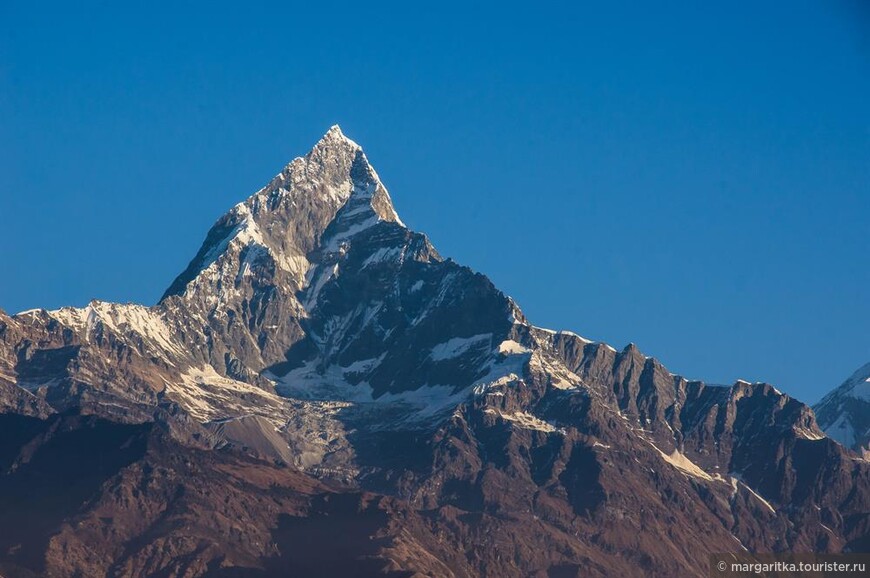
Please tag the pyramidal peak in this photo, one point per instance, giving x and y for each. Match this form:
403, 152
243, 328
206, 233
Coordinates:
332, 169
330, 193
335, 135
332, 172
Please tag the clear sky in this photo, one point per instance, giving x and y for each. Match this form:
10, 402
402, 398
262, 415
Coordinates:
690, 176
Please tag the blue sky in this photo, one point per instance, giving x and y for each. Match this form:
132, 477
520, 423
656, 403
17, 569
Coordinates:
691, 177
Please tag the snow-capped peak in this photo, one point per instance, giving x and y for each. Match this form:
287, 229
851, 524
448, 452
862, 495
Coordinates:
331, 190
844, 414
334, 135
858, 385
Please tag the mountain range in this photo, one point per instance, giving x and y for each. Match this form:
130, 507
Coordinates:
321, 393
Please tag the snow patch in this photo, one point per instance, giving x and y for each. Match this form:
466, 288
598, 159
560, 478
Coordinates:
860, 384
510, 347
842, 431
682, 463
807, 434
526, 420
364, 365
736, 479
209, 396
308, 382
122, 319
384, 255
458, 346
315, 279
486, 387
334, 243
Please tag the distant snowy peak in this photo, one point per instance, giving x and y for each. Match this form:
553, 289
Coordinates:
858, 385
844, 414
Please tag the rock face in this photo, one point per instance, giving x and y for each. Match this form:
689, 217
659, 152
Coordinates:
844, 414
321, 393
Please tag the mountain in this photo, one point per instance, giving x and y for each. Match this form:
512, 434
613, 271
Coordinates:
320, 392
844, 414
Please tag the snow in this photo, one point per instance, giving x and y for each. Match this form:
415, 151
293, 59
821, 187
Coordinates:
861, 391
309, 383
559, 376
840, 411
209, 396
807, 434
364, 365
458, 346
122, 319
443, 288
719, 477
313, 382
842, 431
295, 264
248, 234
860, 384
245, 232
572, 334
316, 278
501, 370
301, 177
736, 479
234, 257
510, 347
416, 286
682, 463
384, 255
252, 255
72, 317
361, 209
149, 324
334, 243
29, 312
429, 400
562, 332
526, 420
485, 387
736, 539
